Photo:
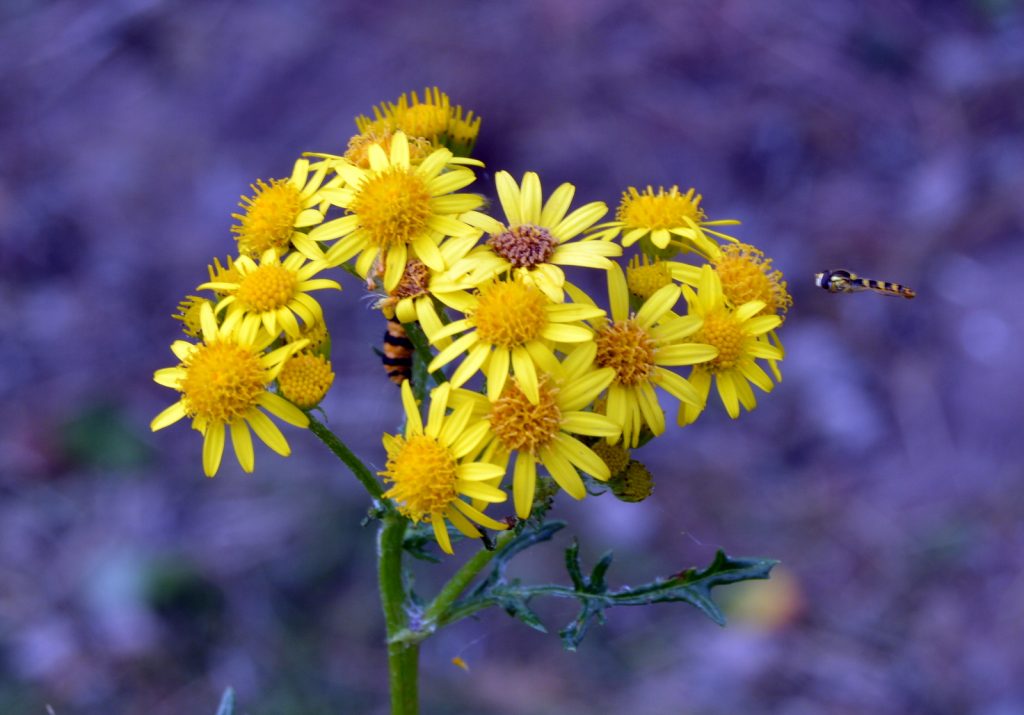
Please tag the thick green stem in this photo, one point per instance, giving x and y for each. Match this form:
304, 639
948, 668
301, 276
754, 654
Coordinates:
363, 474
403, 658
462, 578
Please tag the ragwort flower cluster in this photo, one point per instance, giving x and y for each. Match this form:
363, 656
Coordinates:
536, 378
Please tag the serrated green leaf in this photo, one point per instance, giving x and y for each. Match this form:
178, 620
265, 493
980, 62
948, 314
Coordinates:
572, 565
689, 586
227, 703
522, 541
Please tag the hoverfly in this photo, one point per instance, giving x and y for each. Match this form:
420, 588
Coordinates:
839, 281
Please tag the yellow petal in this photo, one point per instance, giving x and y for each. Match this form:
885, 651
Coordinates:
526, 374
413, 421
655, 307
727, 391
581, 456
530, 198
685, 354
441, 532
213, 448
590, 424
241, 440
268, 432
508, 194
524, 483
481, 491
282, 408
564, 474
168, 416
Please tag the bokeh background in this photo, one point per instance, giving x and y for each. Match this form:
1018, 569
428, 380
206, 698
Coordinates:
882, 136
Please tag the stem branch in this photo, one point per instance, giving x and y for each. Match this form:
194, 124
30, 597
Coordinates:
355, 465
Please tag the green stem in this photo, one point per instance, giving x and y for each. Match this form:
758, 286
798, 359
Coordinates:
462, 578
422, 347
403, 658
363, 474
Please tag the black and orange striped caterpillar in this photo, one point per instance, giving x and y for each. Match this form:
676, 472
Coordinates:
397, 352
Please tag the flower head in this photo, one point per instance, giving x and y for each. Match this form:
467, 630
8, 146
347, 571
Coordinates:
188, 314
434, 118
224, 383
640, 348
430, 467
272, 293
645, 277
509, 324
538, 236
544, 433
739, 338
397, 211
747, 275
305, 379
358, 152
275, 213
662, 218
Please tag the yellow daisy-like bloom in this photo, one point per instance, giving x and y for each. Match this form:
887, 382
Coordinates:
640, 347
224, 382
434, 119
305, 379
276, 212
272, 293
645, 277
738, 336
397, 211
536, 239
412, 300
509, 324
747, 275
223, 273
663, 217
462, 131
430, 467
188, 314
428, 118
541, 434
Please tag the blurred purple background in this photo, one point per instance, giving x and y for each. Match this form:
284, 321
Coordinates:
884, 472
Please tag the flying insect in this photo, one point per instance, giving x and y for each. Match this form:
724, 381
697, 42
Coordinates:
838, 280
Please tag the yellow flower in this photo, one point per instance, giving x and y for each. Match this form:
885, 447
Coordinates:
663, 217
645, 277
224, 382
738, 336
412, 300
305, 379
276, 212
745, 275
223, 274
428, 118
188, 314
536, 239
542, 433
358, 152
431, 467
272, 293
640, 347
397, 211
510, 324
434, 119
